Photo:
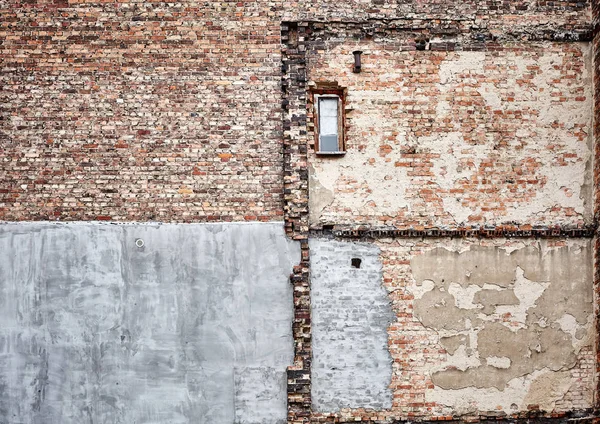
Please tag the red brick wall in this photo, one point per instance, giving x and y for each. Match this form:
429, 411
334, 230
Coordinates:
140, 111
171, 112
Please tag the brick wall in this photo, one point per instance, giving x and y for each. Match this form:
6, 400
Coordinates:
503, 16
488, 133
498, 88
153, 111
140, 111
157, 111
596, 85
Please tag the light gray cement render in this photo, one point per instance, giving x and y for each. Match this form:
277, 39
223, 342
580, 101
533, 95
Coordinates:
193, 327
351, 367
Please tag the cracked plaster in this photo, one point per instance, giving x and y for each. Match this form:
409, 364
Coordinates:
512, 322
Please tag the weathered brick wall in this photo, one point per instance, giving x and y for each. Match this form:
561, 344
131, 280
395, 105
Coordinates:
596, 85
444, 138
171, 112
505, 128
482, 328
140, 111
501, 16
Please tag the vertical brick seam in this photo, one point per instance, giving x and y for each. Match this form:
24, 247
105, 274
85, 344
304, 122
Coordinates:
596, 131
296, 213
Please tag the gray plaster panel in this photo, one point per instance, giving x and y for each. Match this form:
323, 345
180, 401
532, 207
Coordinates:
351, 367
193, 327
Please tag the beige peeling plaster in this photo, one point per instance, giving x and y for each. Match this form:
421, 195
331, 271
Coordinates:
511, 322
320, 197
530, 156
364, 181
565, 185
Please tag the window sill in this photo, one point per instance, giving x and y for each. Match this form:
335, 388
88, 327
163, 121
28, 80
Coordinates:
330, 153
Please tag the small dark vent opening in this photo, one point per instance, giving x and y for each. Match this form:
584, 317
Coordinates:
356, 262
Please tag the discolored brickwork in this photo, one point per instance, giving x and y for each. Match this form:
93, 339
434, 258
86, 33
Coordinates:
140, 111
485, 134
201, 111
154, 111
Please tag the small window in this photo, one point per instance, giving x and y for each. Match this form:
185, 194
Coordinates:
329, 124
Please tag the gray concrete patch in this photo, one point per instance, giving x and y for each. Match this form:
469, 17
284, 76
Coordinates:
352, 367
192, 327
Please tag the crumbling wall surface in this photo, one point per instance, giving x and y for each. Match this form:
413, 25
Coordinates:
596, 85
140, 111
455, 137
490, 327
524, 17
193, 326
510, 322
482, 327
351, 365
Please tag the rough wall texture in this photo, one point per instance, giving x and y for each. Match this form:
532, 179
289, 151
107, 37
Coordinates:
451, 138
479, 130
351, 367
596, 53
522, 17
156, 111
140, 111
171, 111
194, 326
488, 327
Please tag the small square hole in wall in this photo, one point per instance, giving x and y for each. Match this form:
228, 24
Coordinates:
355, 262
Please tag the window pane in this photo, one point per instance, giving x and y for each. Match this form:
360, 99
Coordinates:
328, 120
328, 143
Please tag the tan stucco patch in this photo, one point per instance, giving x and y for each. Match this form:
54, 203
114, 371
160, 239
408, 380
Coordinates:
504, 316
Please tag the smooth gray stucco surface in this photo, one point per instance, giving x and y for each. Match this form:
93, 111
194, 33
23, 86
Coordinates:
192, 327
352, 366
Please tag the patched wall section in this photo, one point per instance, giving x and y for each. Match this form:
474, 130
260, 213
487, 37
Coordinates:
480, 328
450, 138
145, 323
507, 320
493, 325
351, 365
